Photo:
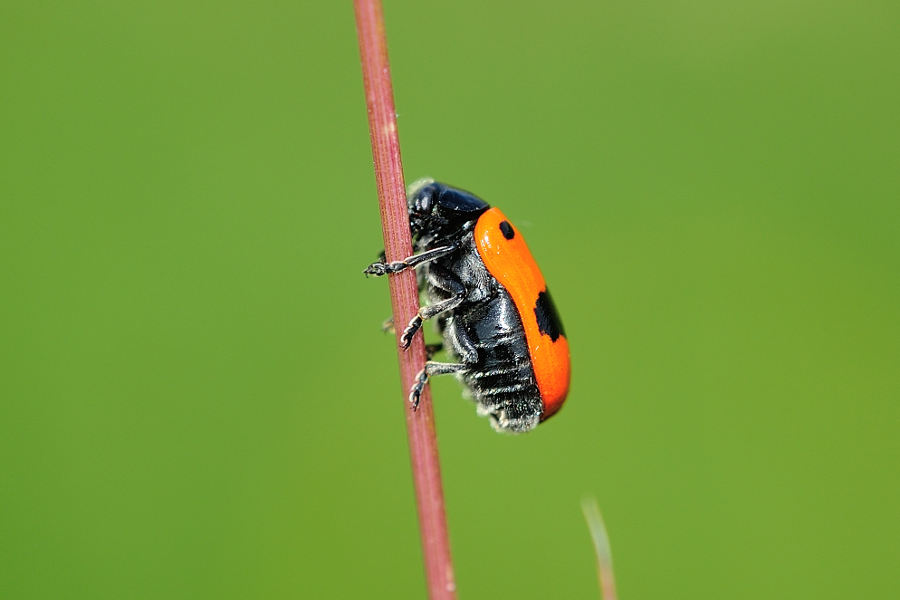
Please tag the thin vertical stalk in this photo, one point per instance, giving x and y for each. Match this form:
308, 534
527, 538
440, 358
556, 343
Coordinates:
404, 296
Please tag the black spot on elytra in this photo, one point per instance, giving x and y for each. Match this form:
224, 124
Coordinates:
547, 317
507, 230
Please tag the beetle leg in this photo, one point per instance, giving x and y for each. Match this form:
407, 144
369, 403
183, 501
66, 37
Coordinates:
431, 369
443, 280
383, 267
462, 343
441, 324
388, 325
432, 349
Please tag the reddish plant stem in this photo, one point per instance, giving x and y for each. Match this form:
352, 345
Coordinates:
404, 296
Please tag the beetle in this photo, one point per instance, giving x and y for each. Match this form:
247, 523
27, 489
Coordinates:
490, 303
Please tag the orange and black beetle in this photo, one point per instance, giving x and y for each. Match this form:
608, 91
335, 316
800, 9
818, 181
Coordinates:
492, 307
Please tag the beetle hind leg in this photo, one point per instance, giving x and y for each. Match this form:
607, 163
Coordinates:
461, 344
431, 369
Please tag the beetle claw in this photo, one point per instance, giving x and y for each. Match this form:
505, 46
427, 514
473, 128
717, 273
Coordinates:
416, 392
410, 331
377, 269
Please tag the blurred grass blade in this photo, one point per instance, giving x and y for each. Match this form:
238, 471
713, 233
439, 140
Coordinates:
597, 529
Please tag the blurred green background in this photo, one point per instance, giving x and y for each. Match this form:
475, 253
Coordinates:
196, 398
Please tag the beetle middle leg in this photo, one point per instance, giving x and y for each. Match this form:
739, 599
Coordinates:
431, 369
441, 279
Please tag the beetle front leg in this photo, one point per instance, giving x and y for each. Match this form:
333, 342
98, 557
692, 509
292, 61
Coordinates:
383, 267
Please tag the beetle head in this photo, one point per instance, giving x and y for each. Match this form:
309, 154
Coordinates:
438, 211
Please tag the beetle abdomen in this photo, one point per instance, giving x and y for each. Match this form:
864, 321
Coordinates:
502, 381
